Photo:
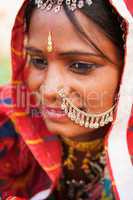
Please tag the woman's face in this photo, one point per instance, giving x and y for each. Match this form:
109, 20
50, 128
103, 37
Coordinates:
89, 79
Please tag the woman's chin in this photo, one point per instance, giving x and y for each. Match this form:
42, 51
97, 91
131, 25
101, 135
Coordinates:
68, 129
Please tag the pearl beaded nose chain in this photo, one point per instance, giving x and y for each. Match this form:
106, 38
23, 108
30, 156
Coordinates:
82, 118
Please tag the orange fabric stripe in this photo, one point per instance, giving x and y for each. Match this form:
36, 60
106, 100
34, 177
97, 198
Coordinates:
19, 114
17, 53
15, 82
54, 167
35, 141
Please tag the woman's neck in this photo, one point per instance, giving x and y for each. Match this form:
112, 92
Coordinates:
94, 135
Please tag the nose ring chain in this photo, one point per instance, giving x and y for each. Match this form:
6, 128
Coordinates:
88, 120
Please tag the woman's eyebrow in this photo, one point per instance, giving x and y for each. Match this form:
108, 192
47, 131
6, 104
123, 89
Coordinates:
79, 53
64, 54
33, 50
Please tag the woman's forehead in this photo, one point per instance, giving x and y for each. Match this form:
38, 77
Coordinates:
62, 29
64, 34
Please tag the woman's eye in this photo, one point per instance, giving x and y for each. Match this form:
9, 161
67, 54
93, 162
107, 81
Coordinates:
82, 67
39, 63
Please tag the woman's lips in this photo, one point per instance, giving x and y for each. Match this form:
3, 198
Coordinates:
53, 113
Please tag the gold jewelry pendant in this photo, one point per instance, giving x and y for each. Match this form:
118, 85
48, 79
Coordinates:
50, 43
69, 162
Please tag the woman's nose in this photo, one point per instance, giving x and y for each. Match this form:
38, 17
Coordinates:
52, 83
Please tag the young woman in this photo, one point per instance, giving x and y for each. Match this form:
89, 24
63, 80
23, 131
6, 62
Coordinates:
64, 119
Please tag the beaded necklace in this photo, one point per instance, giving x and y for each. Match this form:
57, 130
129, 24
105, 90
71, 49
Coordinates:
91, 182
90, 176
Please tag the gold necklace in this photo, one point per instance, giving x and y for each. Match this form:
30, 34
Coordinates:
92, 149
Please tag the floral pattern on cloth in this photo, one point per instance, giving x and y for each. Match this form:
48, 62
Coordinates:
100, 191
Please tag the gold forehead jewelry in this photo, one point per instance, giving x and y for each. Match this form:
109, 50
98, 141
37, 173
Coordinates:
82, 118
57, 4
50, 43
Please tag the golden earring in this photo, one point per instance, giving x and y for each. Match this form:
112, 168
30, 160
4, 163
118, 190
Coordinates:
50, 43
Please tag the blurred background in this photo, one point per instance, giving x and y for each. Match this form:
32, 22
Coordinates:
8, 11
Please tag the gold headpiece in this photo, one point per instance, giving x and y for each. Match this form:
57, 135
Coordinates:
82, 118
57, 4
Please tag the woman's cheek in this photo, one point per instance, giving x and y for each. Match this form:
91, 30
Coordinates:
35, 79
99, 94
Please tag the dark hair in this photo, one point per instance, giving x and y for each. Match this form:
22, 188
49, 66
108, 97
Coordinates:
101, 13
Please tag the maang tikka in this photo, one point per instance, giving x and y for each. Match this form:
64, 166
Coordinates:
50, 43
82, 118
